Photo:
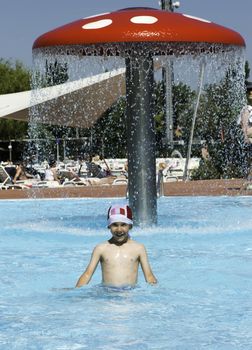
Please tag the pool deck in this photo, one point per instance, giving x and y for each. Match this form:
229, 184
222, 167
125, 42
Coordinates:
231, 187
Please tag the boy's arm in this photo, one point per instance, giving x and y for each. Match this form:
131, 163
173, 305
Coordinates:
88, 273
148, 274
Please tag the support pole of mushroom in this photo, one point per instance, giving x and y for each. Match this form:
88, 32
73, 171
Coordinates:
141, 139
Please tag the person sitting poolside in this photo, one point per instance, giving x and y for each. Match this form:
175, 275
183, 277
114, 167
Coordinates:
21, 173
96, 175
94, 168
51, 173
120, 256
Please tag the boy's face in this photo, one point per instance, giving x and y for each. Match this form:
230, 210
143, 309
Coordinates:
120, 232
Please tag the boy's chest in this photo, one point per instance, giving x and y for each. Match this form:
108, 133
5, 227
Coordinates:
119, 255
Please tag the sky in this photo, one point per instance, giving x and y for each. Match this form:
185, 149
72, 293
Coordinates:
22, 21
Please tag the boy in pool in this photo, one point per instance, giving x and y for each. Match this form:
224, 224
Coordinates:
120, 256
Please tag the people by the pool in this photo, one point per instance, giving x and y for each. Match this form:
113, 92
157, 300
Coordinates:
120, 256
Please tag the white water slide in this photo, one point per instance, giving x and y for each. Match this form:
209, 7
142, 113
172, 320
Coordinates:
79, 103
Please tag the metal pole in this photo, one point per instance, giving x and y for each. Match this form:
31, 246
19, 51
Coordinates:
57, 149
141, 138
10, 151
64, 150
167, 73
201, 78
37, 153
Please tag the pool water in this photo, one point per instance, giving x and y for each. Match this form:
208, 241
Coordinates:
201, 253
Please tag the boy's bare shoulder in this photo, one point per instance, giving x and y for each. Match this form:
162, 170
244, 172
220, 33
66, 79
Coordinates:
136, 244
101, 246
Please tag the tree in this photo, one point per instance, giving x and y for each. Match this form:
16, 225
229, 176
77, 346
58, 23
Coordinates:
56, 73
247, 70
216, 123
109, 132
248, 84
14, 77
46, 135
183, 107
182, 114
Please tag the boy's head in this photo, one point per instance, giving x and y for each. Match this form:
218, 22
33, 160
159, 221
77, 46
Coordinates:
120, 213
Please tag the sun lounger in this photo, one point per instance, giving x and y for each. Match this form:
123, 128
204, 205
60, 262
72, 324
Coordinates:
46, 184
74, 183
7, 184
170, 178
5, 178
120, 181
27, 183
249, 187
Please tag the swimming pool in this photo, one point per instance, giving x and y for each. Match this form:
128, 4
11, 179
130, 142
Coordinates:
201, 253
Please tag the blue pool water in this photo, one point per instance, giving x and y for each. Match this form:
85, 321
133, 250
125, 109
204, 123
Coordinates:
201, 253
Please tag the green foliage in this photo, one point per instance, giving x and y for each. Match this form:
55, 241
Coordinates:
247, 70
14, 77
219, 106
206, 170
12, 129
182, 113
159, 117
183, 107
216, 123
228, 159
247, 74
109, 132
56, 73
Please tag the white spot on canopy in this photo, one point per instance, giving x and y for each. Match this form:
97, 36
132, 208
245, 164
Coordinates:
98, 24
100, 14
197, 18
144, 19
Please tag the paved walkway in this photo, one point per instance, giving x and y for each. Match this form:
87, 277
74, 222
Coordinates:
232, 187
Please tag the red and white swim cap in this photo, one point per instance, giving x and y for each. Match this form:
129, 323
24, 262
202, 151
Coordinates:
120, 213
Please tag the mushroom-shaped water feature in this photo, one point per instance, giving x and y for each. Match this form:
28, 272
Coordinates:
140, 34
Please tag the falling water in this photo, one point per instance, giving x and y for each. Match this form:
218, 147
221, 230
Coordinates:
67, 111
75, 113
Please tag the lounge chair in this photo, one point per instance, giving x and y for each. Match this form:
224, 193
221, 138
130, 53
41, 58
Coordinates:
5, 178
120, 181
170, 178
46, 184
249, 187
76, 182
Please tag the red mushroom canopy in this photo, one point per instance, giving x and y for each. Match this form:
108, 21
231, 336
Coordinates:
138, 25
